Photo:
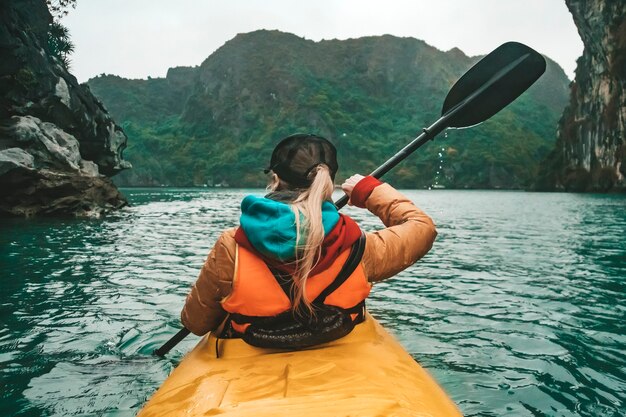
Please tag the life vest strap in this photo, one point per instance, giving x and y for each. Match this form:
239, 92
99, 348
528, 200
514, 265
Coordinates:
287, 316
356, 254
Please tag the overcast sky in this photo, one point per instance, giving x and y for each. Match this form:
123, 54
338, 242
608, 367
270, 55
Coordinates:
140, 38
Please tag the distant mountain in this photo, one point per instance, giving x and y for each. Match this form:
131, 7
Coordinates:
218, 122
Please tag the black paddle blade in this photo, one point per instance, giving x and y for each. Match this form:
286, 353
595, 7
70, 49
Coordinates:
493, 83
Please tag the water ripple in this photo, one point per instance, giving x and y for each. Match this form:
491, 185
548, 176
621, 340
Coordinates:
518, 309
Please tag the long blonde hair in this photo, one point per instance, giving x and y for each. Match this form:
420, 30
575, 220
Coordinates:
307, 209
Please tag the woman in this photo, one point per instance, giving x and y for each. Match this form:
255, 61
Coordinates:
294, 256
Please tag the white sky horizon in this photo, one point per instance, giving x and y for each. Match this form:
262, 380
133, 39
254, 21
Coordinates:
141, 38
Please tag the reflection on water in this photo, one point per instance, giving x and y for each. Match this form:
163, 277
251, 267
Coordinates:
518, 309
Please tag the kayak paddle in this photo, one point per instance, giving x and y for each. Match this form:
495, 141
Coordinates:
485, 89
167, 346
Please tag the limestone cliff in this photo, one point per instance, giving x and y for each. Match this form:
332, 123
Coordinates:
57, 142
591, 145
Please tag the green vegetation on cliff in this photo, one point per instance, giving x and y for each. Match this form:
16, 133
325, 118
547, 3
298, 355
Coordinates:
218, 122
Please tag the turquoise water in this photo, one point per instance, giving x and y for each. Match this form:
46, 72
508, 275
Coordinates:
518, 310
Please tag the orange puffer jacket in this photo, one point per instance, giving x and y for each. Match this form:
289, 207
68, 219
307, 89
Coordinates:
409, 235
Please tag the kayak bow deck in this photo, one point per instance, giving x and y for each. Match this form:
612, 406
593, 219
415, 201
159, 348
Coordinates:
366, 373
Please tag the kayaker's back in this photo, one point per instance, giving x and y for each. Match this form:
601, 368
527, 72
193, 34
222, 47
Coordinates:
296, 273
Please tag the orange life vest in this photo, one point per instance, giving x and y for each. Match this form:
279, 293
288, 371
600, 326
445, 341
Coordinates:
257, 293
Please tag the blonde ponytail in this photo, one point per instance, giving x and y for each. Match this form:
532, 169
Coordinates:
307, 209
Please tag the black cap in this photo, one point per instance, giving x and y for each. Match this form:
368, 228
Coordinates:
297, 155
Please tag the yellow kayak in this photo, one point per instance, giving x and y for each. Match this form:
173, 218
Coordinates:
366, 373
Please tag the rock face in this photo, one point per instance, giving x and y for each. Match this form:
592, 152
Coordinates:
57, 141
591, 145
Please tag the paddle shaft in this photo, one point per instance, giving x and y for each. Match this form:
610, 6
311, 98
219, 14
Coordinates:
427, 134
167, 346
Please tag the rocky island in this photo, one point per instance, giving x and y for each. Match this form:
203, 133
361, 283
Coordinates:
591, 143
58, 144
218, 122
